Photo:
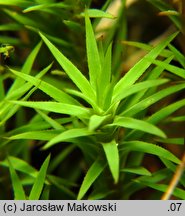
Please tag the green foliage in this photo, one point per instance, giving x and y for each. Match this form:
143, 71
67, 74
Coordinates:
39, 181
37, 187
111, 151
92, 174
97, 123
16, 183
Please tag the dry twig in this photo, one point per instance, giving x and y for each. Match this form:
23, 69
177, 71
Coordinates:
175, 179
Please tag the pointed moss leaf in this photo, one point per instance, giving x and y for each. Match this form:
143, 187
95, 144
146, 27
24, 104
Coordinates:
20, 165
47, 88
74, 26
159, 116
9, 110
178, 119
30, 59
176, 141
84, 97
45, 6
166, 111
92, 174
38, 125
25, 20
171, 68
112, 155
104, 82
56, 125
179, 56
133, 186
179, 193
21, 90
137, 170
95, 13
108, 96
171, 166
165, 53
139, 68
95, 121
93, 57
125, 92
35, 135
26, 69
170, 12
39, 181
35, 8
56, 108
55, 39
67, 135
106, 72
10, 40
100, 195
75, 75
10, 27
154, 74
62, 181
2, 90
152, 99
150, 149
20, 3
141, 125
19, 193
157, 176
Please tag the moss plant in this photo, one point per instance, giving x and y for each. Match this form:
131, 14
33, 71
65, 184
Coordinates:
92, 125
